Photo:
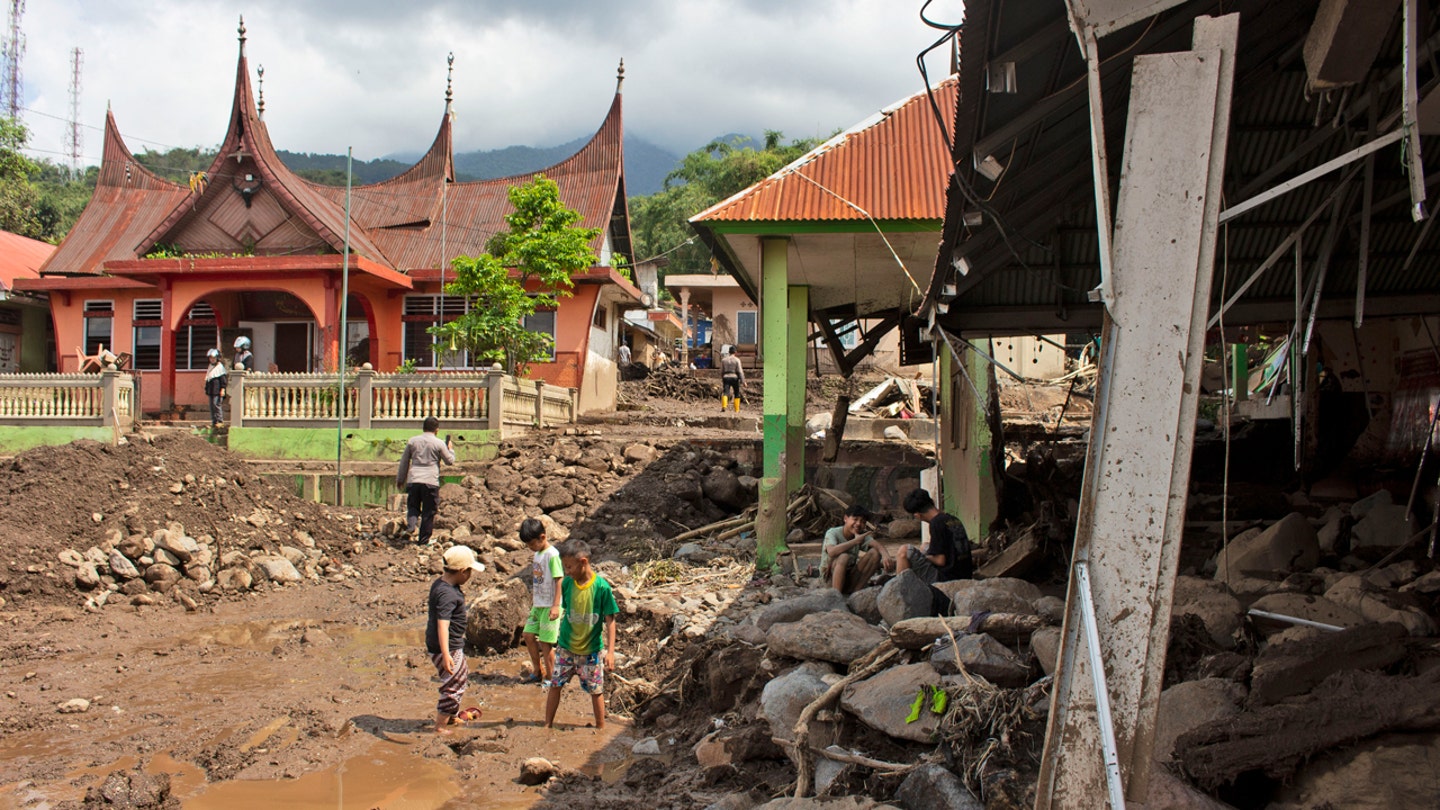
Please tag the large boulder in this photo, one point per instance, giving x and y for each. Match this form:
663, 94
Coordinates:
1213, 604
883, 701
836, 636
1286, 546
1001, 595
1390, 771
906, 596
1045, 644
865, 604
1187, 706
792, 610
786, 696
1384, 526
723, 487
1379, 605
276, 568
496, 616
935, 787
984, 656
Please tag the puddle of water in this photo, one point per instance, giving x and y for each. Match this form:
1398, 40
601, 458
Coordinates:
184, 778
383, 778
264, 635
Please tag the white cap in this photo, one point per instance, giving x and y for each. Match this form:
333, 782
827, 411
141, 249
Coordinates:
458, 558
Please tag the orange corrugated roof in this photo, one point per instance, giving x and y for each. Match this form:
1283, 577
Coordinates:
892, 166
21, 257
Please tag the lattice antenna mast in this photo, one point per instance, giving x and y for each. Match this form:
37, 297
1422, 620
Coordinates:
14, 53
75, 147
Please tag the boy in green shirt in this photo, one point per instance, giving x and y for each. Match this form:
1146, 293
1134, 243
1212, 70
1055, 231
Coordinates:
587, 632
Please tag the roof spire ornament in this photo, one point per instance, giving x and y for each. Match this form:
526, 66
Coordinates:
242, 34
620, 75
260, 71
449, 81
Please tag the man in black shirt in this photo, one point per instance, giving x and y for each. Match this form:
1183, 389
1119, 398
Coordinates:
445, 633
948, 555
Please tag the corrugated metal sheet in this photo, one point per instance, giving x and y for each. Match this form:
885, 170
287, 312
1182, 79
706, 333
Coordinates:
21, 257
1045, 198
891, 167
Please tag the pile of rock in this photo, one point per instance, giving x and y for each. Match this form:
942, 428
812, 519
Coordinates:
1314, 635
169, 563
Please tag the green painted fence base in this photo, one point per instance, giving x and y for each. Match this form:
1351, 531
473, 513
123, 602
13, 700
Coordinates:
375, 444
17, 439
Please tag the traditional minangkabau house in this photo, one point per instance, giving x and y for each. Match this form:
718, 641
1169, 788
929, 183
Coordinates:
164, 272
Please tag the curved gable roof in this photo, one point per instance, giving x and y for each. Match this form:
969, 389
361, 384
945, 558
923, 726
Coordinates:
128, 200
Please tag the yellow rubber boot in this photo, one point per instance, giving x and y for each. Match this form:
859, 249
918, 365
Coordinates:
737, 404
724, 402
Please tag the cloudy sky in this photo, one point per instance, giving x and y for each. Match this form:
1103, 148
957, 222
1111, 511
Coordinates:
371, 73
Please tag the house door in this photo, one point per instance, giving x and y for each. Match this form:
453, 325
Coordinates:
292, 347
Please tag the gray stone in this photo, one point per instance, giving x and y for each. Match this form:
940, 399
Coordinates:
497, 615
836, 636
556, 496
160, 555
1304, 606
723, 487
904, 528
1045, 643
276, 568
1213, 604
162, 577
234, 579
174, 541
135, 546
231, 559
302, 539
1384, 526
935, 787
1362, 507
294, 555
96, 556
906, 596
826, 772
71, 557
864, 603
786, 696
1328, 535
1052, 608
984, 656
86, 576
648, 747
1379, 605
639, 453
895, 432
1002, 595
74, 706
1286, 546
121, 566
883, 701
790, 610
693, 553
537, 771
1389, 771
1191, 704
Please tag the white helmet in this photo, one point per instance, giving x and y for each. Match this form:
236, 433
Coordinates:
213, 353
242, 342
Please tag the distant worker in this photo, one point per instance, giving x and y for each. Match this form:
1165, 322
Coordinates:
244, 358
419, 476
732, 377
215, 379
624, 356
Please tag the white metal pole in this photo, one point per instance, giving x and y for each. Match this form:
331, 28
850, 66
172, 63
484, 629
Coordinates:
341, 347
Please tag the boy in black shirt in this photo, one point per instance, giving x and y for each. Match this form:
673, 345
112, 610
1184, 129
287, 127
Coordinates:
948, 555
445, 634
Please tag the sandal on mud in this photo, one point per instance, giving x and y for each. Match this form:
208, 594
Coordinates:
467, 716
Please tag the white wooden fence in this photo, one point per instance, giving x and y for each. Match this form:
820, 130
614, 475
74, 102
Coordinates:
458, 399
81, 400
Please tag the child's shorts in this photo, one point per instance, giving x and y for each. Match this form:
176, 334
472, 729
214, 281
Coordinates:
539, 624
588, 666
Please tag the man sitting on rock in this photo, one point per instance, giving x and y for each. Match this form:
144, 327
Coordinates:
848, 558
948, 555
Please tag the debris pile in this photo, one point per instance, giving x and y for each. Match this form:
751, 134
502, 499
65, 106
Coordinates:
681, 385
158, 518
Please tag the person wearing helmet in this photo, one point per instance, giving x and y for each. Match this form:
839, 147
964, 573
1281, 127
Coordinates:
243, 357
215, 380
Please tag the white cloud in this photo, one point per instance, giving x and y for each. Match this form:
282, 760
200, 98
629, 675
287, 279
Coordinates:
371, 73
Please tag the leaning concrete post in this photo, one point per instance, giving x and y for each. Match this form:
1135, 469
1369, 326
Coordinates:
364, 403
236, 389
539, 403
495, 405
574, 405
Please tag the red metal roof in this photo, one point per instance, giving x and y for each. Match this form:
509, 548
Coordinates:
396, 223
892, 166
21, 257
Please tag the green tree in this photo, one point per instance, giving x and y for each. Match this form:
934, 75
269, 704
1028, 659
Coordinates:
704, 177
61, 198
177, 163
17, 194
525, 268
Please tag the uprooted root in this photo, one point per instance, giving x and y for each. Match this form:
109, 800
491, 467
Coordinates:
989, 727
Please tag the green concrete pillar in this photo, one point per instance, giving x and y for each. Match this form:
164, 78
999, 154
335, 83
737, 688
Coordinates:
776, 335
797, 332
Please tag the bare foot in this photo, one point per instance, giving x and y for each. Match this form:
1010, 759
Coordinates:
444, 732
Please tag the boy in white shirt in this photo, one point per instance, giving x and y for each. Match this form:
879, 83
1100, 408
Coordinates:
542, 628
